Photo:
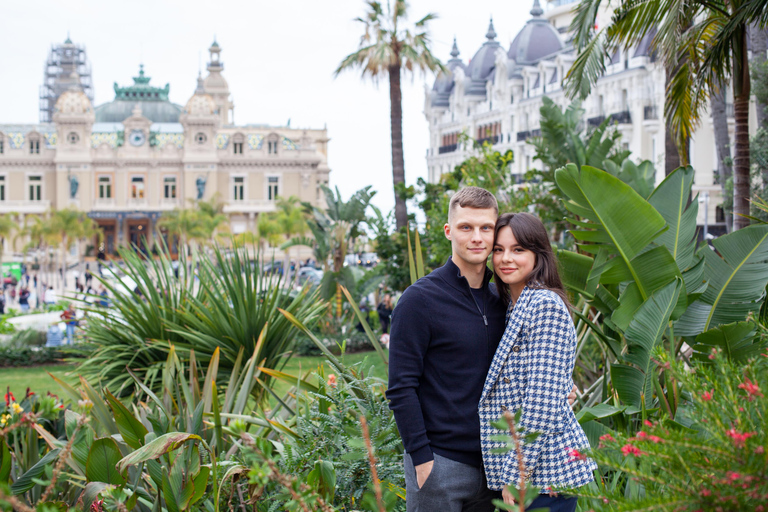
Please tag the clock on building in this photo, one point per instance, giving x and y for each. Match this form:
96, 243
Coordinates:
137, 138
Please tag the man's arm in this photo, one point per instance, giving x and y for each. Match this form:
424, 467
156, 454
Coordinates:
409, 340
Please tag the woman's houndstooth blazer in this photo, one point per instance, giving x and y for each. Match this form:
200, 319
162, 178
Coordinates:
532, 370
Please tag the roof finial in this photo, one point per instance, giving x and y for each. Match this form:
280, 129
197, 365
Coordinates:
536, 11
200, 84
455, 49
491, 34
68, 41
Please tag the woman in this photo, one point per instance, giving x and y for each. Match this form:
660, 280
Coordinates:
384, 309
532, 369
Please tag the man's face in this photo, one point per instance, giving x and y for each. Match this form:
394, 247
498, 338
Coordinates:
470, 231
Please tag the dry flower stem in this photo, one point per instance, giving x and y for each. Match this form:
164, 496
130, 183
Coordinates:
520, 464
372, 463
63, 456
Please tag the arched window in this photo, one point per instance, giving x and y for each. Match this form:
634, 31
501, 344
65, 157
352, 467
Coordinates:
34, 143
273, 143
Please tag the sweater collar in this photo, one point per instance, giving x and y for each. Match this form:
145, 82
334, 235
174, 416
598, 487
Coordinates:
451, 274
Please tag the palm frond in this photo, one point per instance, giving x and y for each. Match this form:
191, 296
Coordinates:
588, 67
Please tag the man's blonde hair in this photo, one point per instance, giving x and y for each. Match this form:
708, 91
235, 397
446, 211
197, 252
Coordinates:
473, 197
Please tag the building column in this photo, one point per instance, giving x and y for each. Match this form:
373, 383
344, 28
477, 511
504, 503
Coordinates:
120, 230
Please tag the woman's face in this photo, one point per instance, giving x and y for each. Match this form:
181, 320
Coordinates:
511, 262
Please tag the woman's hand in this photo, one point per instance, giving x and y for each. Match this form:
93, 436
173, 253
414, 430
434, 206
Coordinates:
507, 495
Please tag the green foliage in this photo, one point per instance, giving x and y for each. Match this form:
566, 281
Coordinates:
233, 308
11, 356
328, 432
717, 463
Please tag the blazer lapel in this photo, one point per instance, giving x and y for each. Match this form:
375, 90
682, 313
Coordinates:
514, 324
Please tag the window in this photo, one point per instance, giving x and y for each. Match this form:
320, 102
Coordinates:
200, 138
624, 100
2, 188
237, 148
169, 187
2, 145
35, 188
600, 111
272, 147
72, 138
239, 188
137, 187
272, 183
105, 187
34, 146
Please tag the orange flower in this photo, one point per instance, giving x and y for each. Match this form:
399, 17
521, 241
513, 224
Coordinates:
332, 380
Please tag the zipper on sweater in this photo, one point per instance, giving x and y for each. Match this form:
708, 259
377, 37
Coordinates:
485, 319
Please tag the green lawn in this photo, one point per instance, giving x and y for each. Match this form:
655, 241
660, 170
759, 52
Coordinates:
37, 379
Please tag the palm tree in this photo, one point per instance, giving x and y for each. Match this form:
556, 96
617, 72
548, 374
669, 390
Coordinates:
187, 225
7, 227
334, 230
388, 46
290, 217
69, 225
703, 43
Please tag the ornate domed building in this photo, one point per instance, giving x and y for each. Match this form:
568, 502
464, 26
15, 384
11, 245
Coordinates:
496, 98
129, 160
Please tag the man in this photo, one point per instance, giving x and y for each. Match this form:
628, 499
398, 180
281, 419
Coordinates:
445, 330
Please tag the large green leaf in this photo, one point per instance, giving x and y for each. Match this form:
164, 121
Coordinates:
91, 493
599, 411
619, 219
27, 481
649, 323
102, 459
671, 199
739, 341
132, 430
630, 384
5, 461
737, 275
155, 449
574, 271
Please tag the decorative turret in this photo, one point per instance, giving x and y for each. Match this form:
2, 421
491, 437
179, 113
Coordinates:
483, 63
454, 50
491, 34
217, 86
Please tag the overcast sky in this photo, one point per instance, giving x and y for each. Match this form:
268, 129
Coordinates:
279, 58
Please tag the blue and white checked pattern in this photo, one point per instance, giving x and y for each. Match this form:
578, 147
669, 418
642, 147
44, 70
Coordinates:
532, 369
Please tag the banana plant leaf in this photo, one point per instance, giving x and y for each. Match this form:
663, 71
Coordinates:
737, 274
619, 220
738, 341
671, 200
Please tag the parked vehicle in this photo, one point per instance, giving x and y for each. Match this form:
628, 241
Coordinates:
311, 275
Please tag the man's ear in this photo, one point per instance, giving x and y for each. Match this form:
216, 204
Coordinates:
447, 229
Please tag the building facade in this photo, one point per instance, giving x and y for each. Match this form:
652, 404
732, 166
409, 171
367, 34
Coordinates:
128, 161
497, 95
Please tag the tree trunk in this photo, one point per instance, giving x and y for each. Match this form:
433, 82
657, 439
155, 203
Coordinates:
723, 144
398, 163
759, 43
741, 92
63, 264
671, 155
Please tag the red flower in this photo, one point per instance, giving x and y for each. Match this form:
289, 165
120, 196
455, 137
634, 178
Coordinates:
751, 388
332, 380
732, 476
706, 492
759, 450
607, 437
9, 398
575, 454
739, 439
97, 506
648, 423
628, 449
707, 395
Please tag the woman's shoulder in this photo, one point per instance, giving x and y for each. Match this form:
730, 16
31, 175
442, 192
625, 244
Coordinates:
542, 298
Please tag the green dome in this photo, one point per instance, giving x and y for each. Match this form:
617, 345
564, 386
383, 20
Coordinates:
153, 101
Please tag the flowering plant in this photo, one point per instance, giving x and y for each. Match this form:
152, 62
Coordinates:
717, 462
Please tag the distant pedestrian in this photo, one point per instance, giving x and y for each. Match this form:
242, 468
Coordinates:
34, 280
69, 317
2, 302
50, 296
24, 299
384, 309
104, 302
88, 277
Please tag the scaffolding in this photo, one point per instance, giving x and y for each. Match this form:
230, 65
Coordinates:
67, 65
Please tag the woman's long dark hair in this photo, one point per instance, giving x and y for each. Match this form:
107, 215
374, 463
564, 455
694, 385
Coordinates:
531, 234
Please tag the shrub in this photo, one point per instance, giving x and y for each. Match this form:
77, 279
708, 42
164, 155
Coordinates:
719, 462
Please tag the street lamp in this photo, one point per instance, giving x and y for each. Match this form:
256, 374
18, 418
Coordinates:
704, 199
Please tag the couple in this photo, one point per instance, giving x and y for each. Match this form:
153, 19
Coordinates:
463, 351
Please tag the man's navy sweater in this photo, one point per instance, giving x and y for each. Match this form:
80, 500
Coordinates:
442, 343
